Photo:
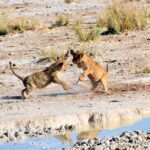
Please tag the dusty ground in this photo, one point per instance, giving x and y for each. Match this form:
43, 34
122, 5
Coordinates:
130, 87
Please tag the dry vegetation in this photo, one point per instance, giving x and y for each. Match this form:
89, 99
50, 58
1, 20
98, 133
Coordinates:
121, 17
146, 70
8, 25
63, 20
69, 1
86, 35
118, 17
148, 1
52, 55
91, 50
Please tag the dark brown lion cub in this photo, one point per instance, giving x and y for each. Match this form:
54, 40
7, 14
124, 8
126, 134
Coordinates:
42, 78
92, 70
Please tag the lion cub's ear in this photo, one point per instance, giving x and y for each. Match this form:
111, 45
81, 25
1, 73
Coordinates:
58, 58
72, 52
66, 55
80, 55
60, 64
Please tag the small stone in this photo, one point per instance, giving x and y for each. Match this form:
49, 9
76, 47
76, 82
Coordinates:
107, 142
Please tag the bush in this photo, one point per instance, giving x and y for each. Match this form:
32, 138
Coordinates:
63, 20
8, 25
84, 35
52, 55
121, 17
93, 34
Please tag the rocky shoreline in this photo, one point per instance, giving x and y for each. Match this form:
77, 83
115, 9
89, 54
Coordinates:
135, 140
30, 131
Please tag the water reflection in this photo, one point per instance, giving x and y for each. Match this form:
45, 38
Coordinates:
88, 134
67, 139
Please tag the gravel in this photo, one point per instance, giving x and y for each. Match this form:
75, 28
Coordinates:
29, 131
138, 140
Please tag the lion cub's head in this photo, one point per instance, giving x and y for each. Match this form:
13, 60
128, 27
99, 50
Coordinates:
76, 56
61, 64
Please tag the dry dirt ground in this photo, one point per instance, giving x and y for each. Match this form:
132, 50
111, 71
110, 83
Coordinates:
129, 100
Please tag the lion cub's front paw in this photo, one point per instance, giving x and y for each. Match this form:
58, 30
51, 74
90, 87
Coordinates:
107, 92
78, 82
81, 78
66, 87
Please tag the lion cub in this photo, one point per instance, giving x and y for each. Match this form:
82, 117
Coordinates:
42, 78
92, 70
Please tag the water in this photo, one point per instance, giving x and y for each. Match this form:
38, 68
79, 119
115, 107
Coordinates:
67, 140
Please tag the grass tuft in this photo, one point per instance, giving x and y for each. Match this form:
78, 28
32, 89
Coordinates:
63, 20
146, 70
52, 55
148, 1
69, 1
91, 50
121, 17
8, 25
86, 35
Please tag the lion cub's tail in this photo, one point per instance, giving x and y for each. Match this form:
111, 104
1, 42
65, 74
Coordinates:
11, 68
108, 62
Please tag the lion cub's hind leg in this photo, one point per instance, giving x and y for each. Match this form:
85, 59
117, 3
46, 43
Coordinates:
26, 91
93, 82
104, 82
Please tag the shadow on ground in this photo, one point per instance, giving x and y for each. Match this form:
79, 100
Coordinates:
11, 97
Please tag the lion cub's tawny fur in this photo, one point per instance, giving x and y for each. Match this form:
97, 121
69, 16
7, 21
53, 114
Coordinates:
92, 70
42, 78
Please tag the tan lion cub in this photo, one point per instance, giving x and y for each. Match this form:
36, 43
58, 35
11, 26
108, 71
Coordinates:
42, 78
92, 70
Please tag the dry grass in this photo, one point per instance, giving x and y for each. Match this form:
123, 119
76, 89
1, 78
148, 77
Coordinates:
101, 22
146, 70
139, 70
86, 35
148, 1
69, 1
92, 50
52, 55
121, 17
8, 25
63, 20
